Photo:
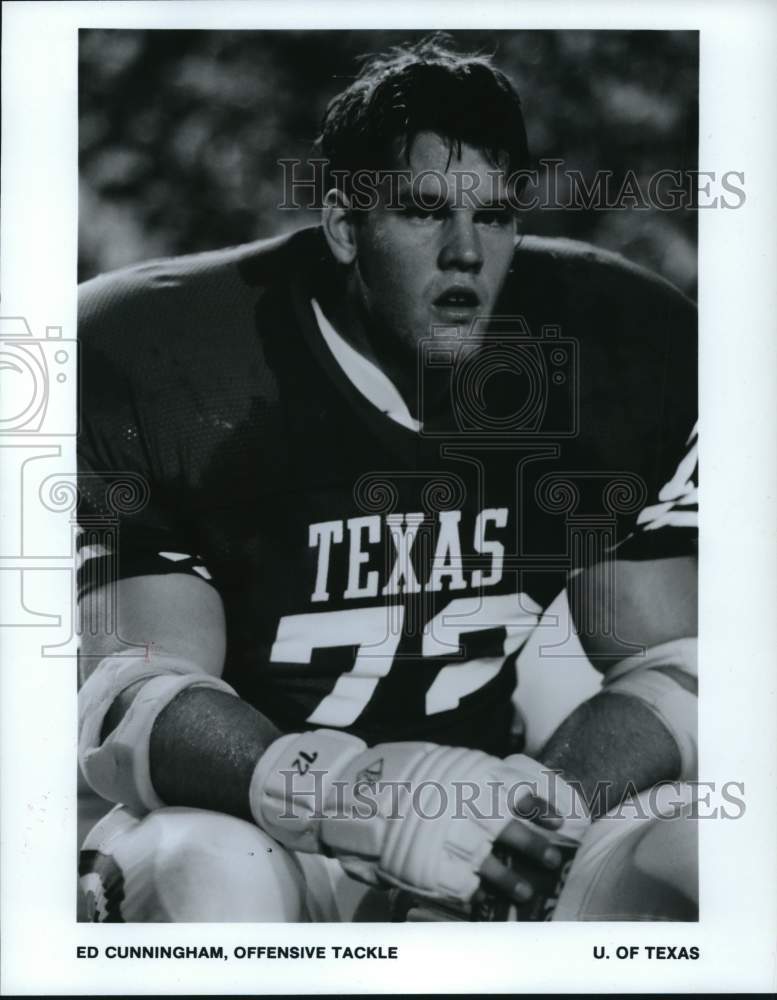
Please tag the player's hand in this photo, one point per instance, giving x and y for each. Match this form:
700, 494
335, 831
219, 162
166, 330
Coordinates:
416, 816
520, 849
551, 817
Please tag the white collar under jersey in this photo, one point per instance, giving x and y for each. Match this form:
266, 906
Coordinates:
371, 382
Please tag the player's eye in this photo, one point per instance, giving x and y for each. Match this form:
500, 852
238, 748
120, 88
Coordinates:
420, 212
498, 216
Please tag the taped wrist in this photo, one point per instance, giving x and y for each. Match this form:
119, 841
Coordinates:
118, 768
642, 677
293, 783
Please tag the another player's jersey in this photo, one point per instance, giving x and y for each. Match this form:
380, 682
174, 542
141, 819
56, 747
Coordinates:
375, 577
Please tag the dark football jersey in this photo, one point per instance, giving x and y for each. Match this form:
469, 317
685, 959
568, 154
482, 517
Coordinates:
373, 577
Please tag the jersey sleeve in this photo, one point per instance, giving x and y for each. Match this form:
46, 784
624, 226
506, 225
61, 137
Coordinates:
668, 525
130, 523
652, 348
636, 377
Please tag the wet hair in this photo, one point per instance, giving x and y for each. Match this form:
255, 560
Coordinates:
428, 86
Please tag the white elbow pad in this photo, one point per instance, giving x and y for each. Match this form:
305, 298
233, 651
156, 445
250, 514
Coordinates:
675, 706
118, 768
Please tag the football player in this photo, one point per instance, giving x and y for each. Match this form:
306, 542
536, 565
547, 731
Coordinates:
329, 483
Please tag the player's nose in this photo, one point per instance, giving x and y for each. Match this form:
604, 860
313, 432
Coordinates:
461, 248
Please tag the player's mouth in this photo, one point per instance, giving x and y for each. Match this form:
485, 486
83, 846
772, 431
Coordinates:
459, 302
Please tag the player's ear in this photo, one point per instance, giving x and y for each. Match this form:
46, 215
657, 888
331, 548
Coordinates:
338, 225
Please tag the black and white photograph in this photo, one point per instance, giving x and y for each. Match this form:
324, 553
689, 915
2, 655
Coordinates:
451, 385
373, 456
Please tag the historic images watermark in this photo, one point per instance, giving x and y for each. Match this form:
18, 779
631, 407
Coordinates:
313, 796
552, 185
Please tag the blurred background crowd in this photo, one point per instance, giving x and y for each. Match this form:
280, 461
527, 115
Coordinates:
181, 132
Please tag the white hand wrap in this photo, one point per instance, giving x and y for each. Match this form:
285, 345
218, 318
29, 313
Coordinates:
119, 767
294, 782
414, 815
676, 707
436, 823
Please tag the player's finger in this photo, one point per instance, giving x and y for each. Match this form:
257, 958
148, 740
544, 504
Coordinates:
531, 843
505, 881
536, 809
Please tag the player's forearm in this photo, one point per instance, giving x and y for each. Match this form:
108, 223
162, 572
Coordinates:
204, 749
613, 745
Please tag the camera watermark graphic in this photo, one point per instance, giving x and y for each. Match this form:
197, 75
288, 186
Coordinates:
501, 380
38, 414
61, 530
38, 375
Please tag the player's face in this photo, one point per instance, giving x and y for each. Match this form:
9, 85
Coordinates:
440, 258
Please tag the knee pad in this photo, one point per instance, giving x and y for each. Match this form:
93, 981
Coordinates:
118, 767
643, 677
188, 865
635, 869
